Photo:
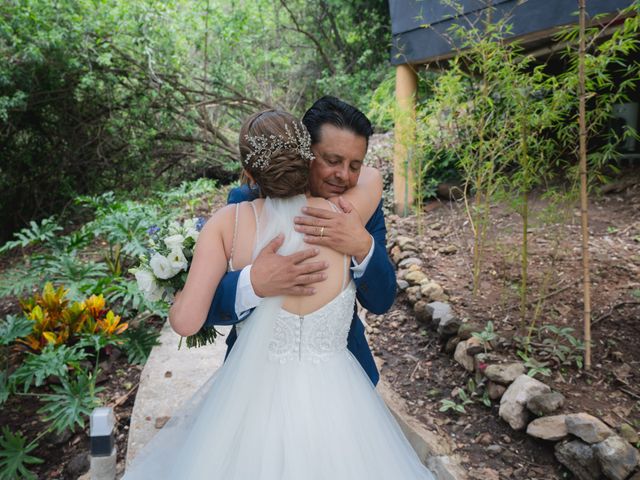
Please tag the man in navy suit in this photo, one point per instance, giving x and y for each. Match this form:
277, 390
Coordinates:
339, 140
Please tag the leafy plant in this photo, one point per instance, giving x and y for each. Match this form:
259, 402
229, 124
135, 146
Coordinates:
13, 327
486, 336
71, 402
561, 346
52, 360
34, 234
139, 342
15, 456
533, 366
448, 404
58, 321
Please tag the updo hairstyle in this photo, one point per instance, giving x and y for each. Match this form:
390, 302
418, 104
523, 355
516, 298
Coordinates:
277, 164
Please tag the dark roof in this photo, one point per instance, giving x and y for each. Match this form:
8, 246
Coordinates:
420, 27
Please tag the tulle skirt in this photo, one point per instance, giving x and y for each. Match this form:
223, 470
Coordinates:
258, 419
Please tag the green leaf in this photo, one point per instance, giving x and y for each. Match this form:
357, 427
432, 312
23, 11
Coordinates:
13, 327
139, 342
14, 456
52, 360
71, 403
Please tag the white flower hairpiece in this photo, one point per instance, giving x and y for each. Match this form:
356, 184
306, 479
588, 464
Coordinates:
263, 147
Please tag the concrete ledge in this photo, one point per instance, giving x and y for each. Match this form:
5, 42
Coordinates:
169, 378
435, 451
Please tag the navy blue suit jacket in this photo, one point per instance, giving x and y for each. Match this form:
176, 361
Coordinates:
376, 289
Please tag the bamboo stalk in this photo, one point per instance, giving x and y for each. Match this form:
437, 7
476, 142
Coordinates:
584, 212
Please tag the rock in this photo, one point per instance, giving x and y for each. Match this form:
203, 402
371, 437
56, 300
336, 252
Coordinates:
415, 277
513, 402
161, 422
413, 294
422, 313
395, 254
467, 328
438, 311
628, 433
494, 450
402, 284
475, 346
448, 249
484, 439
403, 241
451, 344
410, 261
431, 290
448, 326
617, 457
495, 390
587, 427
551, 428
462, 358
78, 465
504, 373
546, 404
579, 458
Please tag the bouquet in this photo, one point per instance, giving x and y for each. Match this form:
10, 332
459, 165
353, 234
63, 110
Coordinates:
163, 270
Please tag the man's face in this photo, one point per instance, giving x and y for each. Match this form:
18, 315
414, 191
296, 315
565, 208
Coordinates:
338, 159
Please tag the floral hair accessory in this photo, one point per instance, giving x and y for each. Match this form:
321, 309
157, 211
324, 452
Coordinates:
263, 147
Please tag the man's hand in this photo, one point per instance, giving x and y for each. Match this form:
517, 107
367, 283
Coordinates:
341, 231
273, 275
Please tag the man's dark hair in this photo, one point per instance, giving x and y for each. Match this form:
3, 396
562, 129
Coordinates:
337, 113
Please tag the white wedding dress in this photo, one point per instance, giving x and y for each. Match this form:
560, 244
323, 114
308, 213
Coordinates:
290, 402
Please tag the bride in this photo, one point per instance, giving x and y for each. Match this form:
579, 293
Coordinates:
290, 402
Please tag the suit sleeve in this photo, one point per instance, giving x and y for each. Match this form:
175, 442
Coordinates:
223, 306
376, 288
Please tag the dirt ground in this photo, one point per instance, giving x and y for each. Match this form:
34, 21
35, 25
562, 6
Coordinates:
417, 367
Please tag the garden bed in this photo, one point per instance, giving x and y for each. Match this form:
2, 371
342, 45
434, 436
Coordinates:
417, 367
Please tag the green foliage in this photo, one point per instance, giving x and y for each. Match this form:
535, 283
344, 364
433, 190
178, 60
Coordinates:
534, 367
140, 341
14, 327
33, 235
486, 336
56, 361
71, 402
457, 407
560, 346
127, 95
15, 456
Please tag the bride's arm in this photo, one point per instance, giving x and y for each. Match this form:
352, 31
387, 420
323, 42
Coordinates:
209, 264
366, 195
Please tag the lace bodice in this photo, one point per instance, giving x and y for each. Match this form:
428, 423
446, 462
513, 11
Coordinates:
315, 336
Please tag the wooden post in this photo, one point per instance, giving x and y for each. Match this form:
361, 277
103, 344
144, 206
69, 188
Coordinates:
405, 128
584, 199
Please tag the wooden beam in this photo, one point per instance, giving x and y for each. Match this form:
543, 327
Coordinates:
405, 128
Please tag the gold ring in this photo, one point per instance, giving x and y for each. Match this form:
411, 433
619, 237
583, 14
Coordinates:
321, 232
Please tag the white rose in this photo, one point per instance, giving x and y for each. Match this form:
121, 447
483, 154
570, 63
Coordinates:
178, 260
193, 233
174, 241
162, 267
148, 285
190, 224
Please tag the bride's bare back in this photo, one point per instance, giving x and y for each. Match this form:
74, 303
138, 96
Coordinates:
216, 246
244, 246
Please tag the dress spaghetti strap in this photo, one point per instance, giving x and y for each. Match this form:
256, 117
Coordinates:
255, 214
233, 241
